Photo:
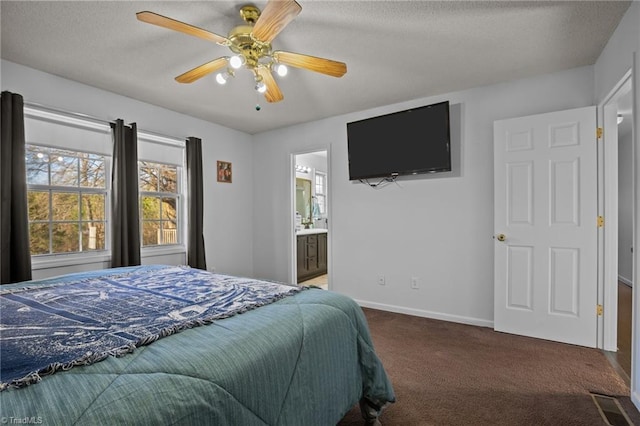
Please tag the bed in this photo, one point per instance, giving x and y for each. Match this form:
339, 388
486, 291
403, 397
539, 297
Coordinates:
297, 356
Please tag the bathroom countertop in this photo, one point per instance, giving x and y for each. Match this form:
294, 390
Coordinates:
311, 231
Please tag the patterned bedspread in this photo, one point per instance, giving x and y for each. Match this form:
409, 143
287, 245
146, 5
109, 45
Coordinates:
54, 327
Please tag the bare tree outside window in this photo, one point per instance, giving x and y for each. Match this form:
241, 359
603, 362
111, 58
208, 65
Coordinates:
159, 201
67, 200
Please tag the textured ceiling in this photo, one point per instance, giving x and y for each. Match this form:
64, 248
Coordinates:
394, 50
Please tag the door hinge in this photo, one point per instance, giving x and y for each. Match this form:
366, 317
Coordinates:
600, 221
599, 132
599, 310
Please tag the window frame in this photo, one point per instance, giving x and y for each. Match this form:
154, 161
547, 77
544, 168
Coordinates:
322, 207
70, 122
75, 257
181, 187
178, 195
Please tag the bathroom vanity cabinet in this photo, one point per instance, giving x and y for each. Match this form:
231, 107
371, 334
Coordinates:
311, 254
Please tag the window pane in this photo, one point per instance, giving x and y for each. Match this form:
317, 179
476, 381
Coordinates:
150, 207
148, 177
37, 164
321, 206
169, 179
64, 170
65, 206
38, 202
93, 236
159, 214
66, 237
93, 206
61, 221
169, 210
150, 232
169, 232
39, 238
92, 172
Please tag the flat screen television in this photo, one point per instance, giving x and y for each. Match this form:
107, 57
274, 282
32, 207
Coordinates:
409, 142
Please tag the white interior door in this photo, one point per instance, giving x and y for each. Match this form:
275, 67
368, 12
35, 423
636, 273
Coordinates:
545, 177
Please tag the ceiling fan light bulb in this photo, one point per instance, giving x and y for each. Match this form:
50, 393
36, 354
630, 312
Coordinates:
281, 69
236, 61
221, 78
261, 87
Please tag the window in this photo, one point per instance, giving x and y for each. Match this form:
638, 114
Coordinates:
321, 192
68, 165
159, 203
67, 200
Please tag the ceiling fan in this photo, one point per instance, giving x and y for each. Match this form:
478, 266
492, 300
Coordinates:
251, 47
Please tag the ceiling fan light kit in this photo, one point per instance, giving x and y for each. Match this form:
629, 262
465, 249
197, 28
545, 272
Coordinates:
251, 47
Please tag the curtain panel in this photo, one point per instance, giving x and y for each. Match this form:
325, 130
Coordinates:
195, 244
125, 225
15, 256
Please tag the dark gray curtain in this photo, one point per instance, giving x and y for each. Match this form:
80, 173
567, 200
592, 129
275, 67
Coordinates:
15, 257
195, 247
125, 225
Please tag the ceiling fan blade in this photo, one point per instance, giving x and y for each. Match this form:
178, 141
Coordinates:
172, 24
312, 63
275, 16
273, 93
202, 70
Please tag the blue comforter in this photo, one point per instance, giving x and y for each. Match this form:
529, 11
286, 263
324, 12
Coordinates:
305, 359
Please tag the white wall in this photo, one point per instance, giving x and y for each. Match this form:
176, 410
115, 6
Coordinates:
625, 207
436, 228
616, 57
227, 207
314, 160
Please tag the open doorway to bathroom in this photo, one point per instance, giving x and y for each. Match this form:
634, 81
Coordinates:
311, 206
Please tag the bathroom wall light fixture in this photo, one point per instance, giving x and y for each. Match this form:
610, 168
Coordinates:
620, 118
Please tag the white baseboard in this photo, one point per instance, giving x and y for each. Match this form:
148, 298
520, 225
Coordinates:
425, 314
635, 398
625, 280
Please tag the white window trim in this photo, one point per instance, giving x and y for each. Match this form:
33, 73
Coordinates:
50, 260
322, 194
181, 247
68, 259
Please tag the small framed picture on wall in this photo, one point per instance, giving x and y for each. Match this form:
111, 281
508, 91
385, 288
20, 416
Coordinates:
224, 172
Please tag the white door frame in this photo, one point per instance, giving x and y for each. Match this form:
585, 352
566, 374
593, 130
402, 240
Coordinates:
608, 206
610, 326
293, 264
635, 84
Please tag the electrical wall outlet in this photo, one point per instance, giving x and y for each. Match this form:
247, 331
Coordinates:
414, 283
381, 280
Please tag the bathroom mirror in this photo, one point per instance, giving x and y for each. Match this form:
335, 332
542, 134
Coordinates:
303, 199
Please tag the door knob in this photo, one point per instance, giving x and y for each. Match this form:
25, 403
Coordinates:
501, 237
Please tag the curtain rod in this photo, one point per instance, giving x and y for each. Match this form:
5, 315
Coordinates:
81, 116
